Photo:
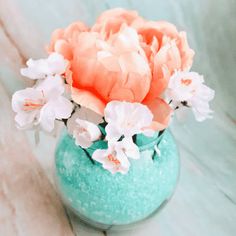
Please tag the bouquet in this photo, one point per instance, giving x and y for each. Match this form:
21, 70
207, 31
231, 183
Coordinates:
122, 77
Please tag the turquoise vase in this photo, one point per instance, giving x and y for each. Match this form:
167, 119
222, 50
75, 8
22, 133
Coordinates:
104, 200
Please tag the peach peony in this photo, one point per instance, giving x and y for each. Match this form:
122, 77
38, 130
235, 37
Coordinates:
123, 57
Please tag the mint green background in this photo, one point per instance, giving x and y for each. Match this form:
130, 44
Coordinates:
205, 201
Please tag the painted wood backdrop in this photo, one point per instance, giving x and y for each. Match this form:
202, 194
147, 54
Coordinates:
205, 200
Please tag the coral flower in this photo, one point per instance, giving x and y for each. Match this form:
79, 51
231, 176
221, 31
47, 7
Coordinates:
125, 58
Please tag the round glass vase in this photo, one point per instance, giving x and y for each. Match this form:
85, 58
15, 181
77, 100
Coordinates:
115, 201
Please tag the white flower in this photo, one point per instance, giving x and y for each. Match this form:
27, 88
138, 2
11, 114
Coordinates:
200, 103
83, 126
39, 69
188, 87
85, 133
115, 158
83, 113
127, 119
42, 104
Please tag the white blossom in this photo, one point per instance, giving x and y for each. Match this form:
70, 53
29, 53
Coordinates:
115, 158
188, 88
83, 113
85, 133
39, 69
127, 119
41, 104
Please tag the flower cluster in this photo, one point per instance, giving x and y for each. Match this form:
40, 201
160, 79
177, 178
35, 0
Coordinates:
124, 120
121, 77
44, 102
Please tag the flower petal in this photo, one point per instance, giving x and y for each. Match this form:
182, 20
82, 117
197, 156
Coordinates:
26, 120
47, 118
99, 155
62, 107
130, 148
38, 69
19, 97
161, 111
84, 132
27, 115
82, 140
126, 119
88, 100
113, 159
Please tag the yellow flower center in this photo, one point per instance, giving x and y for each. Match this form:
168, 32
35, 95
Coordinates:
186, 82
30, 104
113, 159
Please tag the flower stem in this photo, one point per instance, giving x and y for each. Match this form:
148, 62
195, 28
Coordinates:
160, 136
134, 138
64, 121
88, 155
154, 154
161, 133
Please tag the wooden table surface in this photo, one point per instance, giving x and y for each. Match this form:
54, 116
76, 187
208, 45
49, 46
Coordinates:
205, 201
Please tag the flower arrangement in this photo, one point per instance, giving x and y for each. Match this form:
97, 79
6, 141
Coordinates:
121, 77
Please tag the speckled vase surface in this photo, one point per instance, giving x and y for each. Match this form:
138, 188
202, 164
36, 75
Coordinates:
105, 200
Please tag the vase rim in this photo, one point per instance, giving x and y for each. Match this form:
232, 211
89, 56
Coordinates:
154, 140
150, 141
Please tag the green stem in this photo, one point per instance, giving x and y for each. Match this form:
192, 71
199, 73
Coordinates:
160, 136
161, 133
88, 155
154, 154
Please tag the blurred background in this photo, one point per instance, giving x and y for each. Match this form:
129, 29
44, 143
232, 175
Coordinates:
205, 199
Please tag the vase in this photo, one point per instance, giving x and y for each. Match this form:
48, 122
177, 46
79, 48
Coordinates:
114, 201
